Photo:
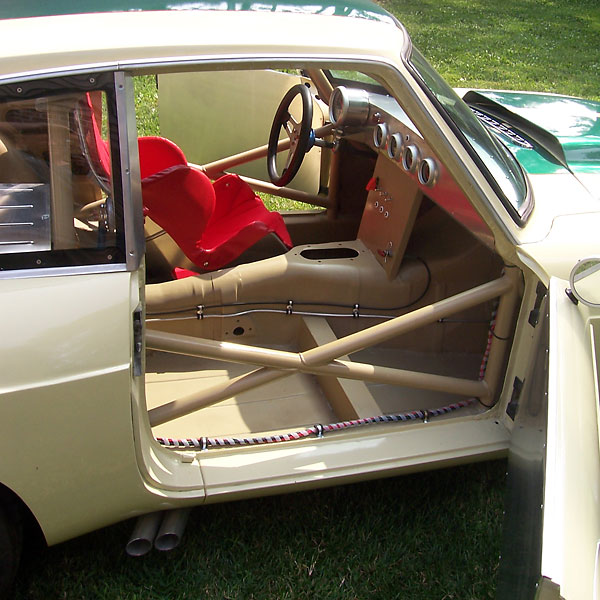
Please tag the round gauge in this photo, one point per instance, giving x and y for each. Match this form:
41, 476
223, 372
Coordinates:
394, 146
410, 158
337, 104
380, 134
428, 172
348, 106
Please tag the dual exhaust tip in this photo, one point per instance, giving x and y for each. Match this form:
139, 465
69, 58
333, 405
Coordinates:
163, 530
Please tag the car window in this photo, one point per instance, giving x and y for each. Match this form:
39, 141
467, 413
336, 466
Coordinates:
58, 204
495, 160
200, 112
354, 79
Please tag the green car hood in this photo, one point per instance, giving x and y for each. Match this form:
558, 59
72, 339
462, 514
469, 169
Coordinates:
546, 132
365, 9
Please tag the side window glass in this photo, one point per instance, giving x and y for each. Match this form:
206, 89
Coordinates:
58, 203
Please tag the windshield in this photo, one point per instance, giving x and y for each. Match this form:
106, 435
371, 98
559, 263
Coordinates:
355, 79
494, 158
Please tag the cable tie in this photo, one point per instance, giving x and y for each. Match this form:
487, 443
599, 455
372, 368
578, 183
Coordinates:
203, 443
426, 416
319, 429
289, 309
200, 312
355, 311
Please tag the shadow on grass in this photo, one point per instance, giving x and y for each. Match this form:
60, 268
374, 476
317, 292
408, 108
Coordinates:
429, 535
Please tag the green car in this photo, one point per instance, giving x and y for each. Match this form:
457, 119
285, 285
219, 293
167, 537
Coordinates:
426, 294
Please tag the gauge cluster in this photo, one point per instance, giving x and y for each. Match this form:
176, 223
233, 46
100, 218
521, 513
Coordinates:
394, 134
406, 169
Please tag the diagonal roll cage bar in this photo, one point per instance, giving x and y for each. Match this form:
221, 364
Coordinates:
325, 359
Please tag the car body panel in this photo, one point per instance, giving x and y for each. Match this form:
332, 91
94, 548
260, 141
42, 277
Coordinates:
572, 469
365, 454
74, 387
559, 250
520, 570
130, 39
573, 121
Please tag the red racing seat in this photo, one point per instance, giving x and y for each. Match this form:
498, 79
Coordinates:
212, 223
157, 154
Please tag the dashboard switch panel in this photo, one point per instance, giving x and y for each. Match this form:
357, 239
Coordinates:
390, 212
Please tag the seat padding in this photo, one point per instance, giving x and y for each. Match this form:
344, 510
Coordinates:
181, 200
157, 154
212, 223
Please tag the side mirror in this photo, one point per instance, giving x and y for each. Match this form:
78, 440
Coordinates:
585, 281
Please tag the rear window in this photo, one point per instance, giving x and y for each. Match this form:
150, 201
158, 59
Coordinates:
58, 203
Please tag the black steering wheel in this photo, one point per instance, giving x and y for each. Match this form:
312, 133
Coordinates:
299, 134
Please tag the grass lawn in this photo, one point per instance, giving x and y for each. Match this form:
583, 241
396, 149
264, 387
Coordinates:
427, 536
541, 45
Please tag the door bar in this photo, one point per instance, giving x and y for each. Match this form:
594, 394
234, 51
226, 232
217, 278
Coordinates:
319, 360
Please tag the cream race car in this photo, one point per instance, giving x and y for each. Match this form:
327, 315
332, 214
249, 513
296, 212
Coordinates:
170, 339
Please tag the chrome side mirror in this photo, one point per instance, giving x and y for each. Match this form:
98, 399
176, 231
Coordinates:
585, 281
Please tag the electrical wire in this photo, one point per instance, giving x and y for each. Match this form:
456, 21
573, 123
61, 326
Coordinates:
203, 443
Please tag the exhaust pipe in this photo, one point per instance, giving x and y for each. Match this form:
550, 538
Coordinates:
143, 535
171, 529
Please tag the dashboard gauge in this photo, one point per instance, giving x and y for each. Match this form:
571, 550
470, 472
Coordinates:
428, 172
349, 106
380, 134
394, 147
410, 158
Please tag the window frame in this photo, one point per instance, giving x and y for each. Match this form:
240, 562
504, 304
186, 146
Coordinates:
110, 258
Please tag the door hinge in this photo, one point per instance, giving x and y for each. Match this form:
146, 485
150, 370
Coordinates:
138, 342
540, 294
513, 405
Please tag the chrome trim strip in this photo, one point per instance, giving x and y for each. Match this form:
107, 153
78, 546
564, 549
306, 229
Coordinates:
130, 171
62, 271
66, 71
245, 61
192, 60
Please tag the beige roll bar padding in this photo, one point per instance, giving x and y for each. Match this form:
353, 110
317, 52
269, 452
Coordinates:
286, 192
217, 393
292, 362
502, 331
218, 167
323, 360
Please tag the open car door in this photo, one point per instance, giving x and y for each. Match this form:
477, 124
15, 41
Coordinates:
552, 527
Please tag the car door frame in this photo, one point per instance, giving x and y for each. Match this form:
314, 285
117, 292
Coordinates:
551, 545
